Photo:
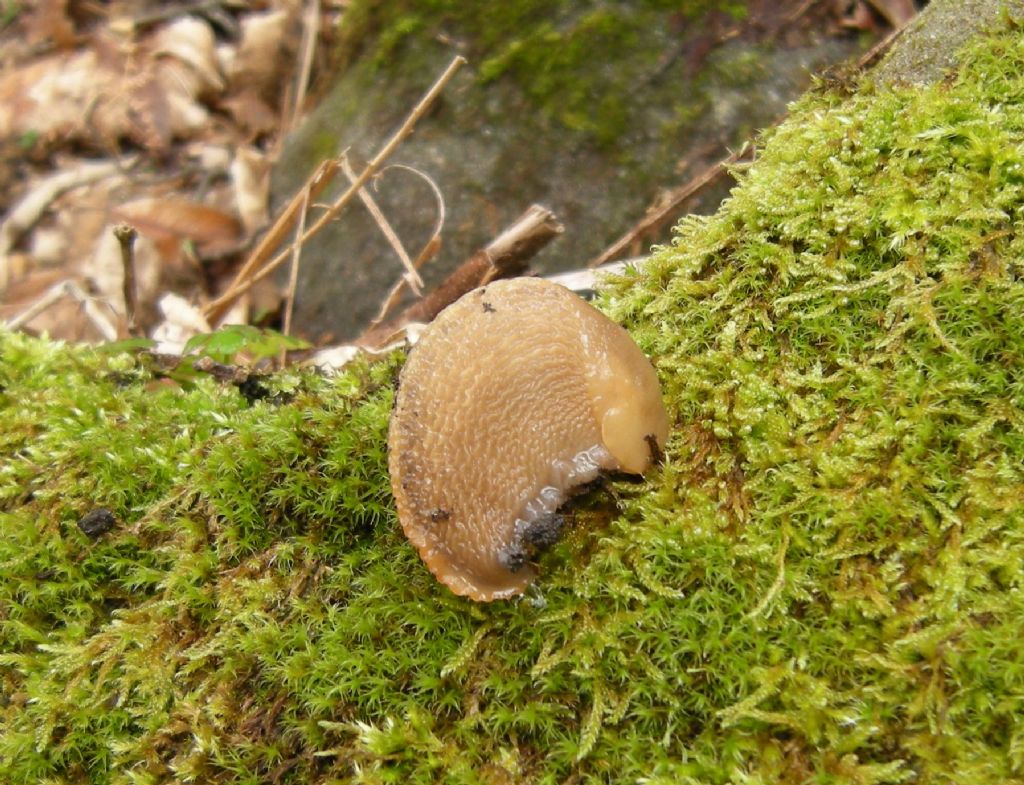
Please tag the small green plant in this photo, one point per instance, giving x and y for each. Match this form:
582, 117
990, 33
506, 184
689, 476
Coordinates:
9, 11
242, 340
28, 139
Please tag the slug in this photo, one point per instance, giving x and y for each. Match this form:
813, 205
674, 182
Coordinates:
514, 394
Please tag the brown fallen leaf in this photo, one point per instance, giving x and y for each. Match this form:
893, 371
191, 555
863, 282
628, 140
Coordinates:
250, 176
259, 61
50, 97
48, 21
856, 16
30, 208
169, 222
151, 91
251, 112
180, 321
191, 42
25, 288
48, 303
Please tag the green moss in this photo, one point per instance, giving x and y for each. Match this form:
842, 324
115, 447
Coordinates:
103, 641
842, 346
823, 583
553, 51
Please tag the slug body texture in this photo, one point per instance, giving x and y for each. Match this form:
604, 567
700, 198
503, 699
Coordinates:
515, 394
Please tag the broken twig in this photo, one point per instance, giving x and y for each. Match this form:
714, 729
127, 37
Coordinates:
126, 235
55, 294
655, 218
310, 32
314, 186
242, 286
428, 252
875, 53
411, 275
23, 215
293, 275
504, 257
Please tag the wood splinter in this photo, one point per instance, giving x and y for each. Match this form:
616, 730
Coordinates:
506, 256
126, 235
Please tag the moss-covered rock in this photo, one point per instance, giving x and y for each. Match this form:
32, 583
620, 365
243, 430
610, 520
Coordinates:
822, 584
586, 107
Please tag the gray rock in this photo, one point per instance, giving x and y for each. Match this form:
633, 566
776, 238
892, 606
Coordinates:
493, 148
927, 50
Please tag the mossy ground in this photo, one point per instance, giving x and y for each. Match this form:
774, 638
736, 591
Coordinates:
823, 584
569, 63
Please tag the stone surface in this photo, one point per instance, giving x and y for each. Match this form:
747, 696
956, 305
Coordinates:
494, 144
928, 48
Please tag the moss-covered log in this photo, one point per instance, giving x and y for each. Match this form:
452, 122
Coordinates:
824, 583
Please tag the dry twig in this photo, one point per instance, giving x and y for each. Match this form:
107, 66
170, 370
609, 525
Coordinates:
310, 33
657, 217
504, 257
802, 9
219, 306
411, 275
293, 275
875, 53
126, 235
896, 13
314, 186
55, 294
428, 252
26, 212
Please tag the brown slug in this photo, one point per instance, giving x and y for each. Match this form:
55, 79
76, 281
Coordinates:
516, 393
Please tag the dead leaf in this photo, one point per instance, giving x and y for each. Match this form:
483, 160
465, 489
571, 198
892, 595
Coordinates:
35, 202
335, 358
181, 320
213, 158
51, 97
50, 245
48, 21
151, 92
191, 42
18, 266
250, 175
48, 303
170, 222
146, 114
857, 17
251, 112
25, 289
259, 60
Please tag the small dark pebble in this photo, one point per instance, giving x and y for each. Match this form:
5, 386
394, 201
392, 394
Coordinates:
512, 558
252, 389
545, 531
120, 379
97, 522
